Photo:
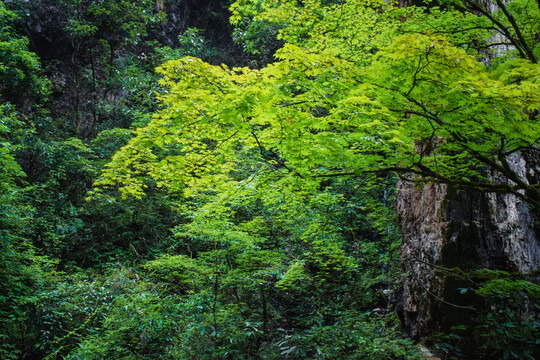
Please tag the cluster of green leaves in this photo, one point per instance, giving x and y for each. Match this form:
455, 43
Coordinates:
358, 88
266, 274
112, 84
19, 68
45, 171
233, 292
21, 269
509, 328
111, 314
419, 105
124, 21
267, 208
505, 323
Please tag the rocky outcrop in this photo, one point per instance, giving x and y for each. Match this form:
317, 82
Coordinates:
445, 227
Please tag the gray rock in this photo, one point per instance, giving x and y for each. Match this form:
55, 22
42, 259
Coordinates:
446, 227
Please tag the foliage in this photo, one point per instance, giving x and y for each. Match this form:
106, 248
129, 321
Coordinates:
239, 298
192, 43
315, 114
79, 306
21, 269
505, 323
358, 89
44, 175
508, 330
253, 206
20, 69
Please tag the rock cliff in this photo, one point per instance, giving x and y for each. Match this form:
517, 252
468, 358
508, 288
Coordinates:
445, 227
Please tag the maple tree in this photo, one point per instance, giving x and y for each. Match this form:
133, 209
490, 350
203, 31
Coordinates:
268, 226
390, 95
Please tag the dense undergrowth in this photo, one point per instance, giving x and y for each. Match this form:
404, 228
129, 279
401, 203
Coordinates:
235, 251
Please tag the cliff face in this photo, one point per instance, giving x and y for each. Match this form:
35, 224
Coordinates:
444, 227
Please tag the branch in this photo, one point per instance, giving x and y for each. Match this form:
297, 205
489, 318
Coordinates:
219, 145
430, 175
293, 103
510, 18
501, 167
420, 282
504, 31
277, 159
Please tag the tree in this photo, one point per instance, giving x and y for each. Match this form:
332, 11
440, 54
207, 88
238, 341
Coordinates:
20, 69
359, 91
335, 104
